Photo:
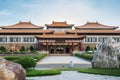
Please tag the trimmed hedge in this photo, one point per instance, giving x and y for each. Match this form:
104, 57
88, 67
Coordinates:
11, 58
85, 56
32, 73
36, 57
40, 56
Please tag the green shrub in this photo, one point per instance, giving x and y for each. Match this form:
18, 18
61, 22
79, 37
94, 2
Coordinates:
95, 48
23, 52
32, 50
86, 56
11, 58
40, 56
88, 48
22, 49
16, 52
26, 62
32, 73
3, 49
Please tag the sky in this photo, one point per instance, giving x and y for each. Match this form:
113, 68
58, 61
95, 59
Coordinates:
77, 12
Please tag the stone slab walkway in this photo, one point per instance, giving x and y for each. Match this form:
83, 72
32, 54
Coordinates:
62, 61
73, 75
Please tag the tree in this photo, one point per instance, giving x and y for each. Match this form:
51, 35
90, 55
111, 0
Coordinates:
32, 49
88, 48
22, 49
95, 48
3, 49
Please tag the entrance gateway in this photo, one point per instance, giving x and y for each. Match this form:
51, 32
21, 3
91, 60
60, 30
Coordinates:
59, 41
59, 44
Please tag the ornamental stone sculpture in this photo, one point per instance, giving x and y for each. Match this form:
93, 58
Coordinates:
11, 71
14, 48
107, 55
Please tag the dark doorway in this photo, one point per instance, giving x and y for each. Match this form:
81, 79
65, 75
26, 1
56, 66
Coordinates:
61, 49
67, 49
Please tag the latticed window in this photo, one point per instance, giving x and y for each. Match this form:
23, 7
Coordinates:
14, 39
3, 39
91, 39
28, 39
102, 39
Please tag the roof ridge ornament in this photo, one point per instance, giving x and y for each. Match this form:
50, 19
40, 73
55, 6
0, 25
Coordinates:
29, 21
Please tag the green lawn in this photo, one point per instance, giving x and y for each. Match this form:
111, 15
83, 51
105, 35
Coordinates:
32, 73
110, 72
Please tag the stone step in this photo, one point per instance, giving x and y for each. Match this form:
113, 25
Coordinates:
60, 54
63, 65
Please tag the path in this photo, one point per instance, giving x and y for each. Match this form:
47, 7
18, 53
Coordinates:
73, 75
62, 61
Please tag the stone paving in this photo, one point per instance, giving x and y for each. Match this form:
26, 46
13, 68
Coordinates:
73, 75
62, 61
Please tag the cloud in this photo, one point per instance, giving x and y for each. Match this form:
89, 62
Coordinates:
76, 12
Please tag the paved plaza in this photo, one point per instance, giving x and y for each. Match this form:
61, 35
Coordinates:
62, 61
73, 75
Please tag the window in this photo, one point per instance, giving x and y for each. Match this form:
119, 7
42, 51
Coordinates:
91, 39
94, 39
102, 39
28, 39
3, 39
14, 39
117, 39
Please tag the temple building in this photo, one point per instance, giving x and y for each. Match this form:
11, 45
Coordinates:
58, 38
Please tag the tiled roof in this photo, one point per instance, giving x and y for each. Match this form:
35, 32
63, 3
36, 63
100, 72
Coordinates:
59, 24
55, 35
22, 25
93, 31
25, 31
95, 25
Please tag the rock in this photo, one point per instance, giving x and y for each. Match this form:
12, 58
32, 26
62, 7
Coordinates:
107, 55
11, 71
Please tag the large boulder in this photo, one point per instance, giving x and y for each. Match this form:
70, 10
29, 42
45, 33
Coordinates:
11, 71
107, 55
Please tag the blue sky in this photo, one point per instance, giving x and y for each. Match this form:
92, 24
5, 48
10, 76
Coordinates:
76, 12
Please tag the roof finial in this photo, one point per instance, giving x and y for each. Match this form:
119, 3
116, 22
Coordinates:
87, 21
19, 21
53, 21
65, 21
96, 21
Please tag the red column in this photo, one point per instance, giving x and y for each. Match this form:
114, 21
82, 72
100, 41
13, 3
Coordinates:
73, 46
39, 46
80, 46
46, 46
